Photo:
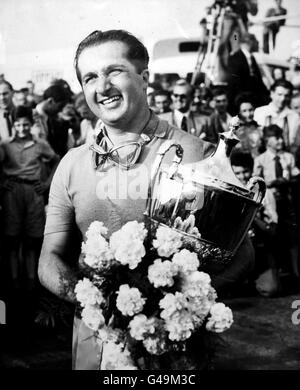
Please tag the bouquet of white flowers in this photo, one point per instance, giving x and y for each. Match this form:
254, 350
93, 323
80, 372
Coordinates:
147, 302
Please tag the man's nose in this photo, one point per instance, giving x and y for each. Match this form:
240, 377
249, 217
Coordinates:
103, 84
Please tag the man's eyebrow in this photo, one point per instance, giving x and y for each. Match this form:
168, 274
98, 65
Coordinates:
88, 75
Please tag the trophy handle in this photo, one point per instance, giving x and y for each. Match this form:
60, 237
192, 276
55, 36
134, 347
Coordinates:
164, 148
258, 186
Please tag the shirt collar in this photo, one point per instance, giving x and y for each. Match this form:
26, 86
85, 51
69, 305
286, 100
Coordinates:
273, 110
154, 127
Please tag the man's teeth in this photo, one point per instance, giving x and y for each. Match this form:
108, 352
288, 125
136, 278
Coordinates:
110, 100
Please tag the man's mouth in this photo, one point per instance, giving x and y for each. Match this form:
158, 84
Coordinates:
110, 100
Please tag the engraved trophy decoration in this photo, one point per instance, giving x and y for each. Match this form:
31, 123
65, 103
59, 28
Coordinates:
204, 201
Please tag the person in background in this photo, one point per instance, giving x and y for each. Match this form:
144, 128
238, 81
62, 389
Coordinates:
88, 125
271, 28
295, 103
201, 101
245, 74
249, 133
32, 98
278, 74
278, 112
22, 198
55, 128
277, 167
220, 118
262, 231
7, 110
182, 115
293, 74
162, 101
19, 98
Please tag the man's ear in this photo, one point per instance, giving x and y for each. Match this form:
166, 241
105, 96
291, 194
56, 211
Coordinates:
145, 76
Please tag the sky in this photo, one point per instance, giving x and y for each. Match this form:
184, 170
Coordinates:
38, 38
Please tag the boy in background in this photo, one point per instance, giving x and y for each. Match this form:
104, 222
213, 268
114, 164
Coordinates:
22, 195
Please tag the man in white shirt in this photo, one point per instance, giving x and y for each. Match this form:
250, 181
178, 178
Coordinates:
277, 112
6, 110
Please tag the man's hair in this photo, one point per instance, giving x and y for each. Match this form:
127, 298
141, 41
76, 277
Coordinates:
242, 159
218, 92
57, 93
282, 83
247, 38
184, 83
136, 53
23, 112
244, 97
272, 131
162, 92
7, 83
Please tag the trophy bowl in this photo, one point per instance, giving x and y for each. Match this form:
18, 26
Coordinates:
204, 201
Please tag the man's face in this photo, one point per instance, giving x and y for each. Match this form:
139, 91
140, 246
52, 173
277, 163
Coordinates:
221, 103
181, 98
295, 105
246, 112
242, 173
275, 143
162, 103
280, 97
113, 89
20, 99
22, 127
5, 97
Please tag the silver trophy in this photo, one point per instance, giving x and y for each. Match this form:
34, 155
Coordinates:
204, 201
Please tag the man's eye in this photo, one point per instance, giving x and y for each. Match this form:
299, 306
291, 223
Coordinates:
88, 79
115, 72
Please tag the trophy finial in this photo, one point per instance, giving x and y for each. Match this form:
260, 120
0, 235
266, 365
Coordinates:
229, 137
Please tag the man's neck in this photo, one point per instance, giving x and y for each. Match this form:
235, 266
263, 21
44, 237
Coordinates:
129, 131
276, 109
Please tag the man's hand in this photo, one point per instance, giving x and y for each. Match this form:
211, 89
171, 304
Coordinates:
40, 188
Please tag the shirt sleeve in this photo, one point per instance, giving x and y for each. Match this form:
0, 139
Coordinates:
46, 151
60, 213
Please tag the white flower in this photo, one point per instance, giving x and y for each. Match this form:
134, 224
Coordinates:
220, 318
172, 303
140, 325
127, 244
129, 301
92, 316
160, 274
155, 345
180, 326
87, 293
116, 356
196, 284
97, 252
96, 228
186, 261
167, 242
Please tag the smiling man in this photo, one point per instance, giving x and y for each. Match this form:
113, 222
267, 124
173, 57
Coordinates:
108, 181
